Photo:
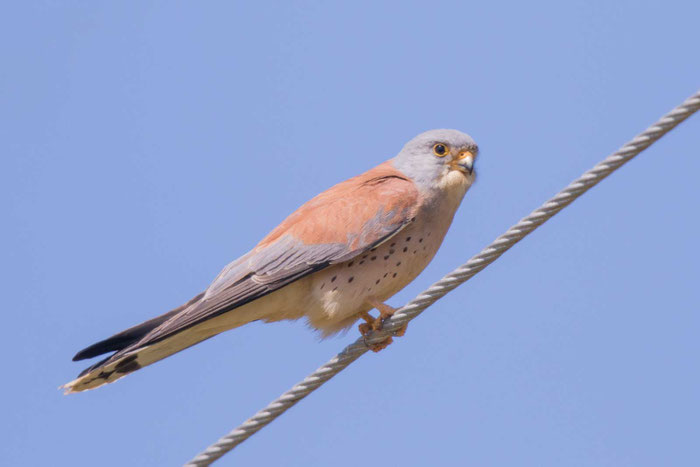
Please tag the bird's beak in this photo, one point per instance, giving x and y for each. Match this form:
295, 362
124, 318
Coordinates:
464, 162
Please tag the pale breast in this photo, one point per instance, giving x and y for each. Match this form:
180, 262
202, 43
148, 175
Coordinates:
340, 292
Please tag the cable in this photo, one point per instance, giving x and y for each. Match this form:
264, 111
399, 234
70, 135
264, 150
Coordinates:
460, 275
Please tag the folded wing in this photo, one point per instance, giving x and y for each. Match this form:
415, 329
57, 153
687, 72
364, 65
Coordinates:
337, 225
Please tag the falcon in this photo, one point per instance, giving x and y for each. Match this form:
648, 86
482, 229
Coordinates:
337, 257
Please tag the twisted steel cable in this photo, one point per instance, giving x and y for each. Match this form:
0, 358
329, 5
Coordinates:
440, 288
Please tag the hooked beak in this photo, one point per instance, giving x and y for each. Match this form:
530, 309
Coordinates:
464, 162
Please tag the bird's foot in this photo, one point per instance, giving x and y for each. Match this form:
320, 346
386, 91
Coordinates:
375, 324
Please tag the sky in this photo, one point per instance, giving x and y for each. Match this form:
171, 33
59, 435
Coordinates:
144, 145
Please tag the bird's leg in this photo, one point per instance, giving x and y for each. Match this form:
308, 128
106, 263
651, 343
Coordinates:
386, 312
368, 326
374, 324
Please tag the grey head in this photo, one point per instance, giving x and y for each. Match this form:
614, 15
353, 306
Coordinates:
431, 156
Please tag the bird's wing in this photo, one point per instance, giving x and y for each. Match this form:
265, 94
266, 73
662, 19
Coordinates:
335, 226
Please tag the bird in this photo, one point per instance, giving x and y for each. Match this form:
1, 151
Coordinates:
333, 260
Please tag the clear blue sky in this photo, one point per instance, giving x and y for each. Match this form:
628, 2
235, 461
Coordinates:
146, 145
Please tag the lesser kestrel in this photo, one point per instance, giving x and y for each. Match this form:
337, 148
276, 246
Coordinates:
334, 259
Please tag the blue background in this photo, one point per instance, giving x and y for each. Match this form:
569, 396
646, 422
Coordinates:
145, 145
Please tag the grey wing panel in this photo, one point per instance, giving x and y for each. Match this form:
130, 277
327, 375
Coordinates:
256, 275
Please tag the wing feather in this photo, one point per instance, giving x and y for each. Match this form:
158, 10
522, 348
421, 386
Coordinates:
337, 225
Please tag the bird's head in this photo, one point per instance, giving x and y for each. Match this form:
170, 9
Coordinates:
439, 159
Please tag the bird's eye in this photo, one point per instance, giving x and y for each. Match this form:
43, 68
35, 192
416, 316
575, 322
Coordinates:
441, 149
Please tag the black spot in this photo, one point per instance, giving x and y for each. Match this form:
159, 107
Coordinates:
405, 249
373, 258
334, 277
323, 284
127, 365
125, 361
364, 256
392, 251
362, 262
394, 275
393, 244
414, 251
377, 281
408, 239
386, 257
350, 263
413, 218
351, 278
373, 249
335, 288
399, 263
132, 366
420, 240
386, 274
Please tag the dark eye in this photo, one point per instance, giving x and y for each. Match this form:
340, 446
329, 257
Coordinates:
440, 149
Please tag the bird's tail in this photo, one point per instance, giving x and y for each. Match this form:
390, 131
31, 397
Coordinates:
129, 356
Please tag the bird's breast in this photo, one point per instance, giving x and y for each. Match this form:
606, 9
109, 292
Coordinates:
340, 292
